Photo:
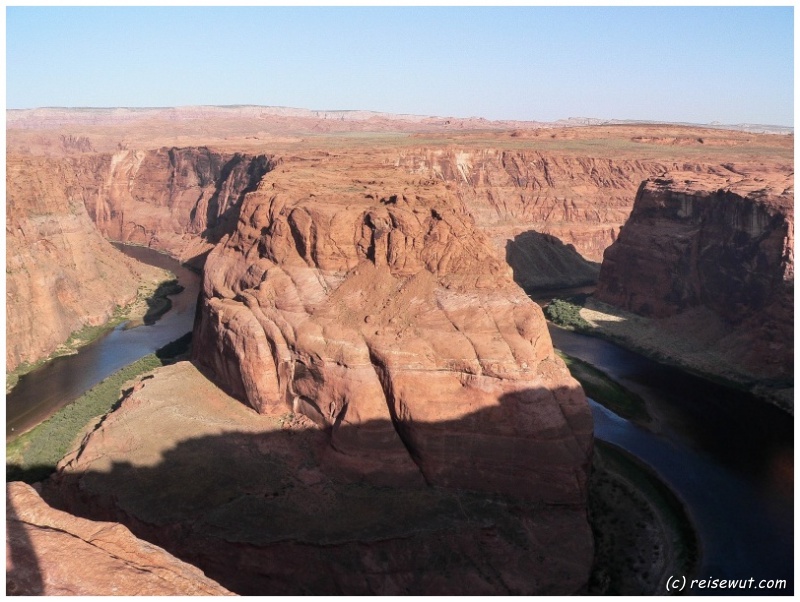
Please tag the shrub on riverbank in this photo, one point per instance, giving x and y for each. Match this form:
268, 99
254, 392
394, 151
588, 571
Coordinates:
566, 314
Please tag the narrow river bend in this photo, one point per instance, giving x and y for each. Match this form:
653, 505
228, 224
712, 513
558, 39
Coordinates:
728, 457
42, 392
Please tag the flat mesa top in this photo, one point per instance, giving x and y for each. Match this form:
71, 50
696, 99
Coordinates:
53, 131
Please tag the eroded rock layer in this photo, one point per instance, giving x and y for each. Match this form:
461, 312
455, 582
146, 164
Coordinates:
723, 243
178, 200
60, 273
378, 310
52, 553
580, 199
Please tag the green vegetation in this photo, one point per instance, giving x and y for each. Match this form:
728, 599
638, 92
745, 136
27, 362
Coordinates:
77, 339
567, 315
157, 301
606, 391
33, 455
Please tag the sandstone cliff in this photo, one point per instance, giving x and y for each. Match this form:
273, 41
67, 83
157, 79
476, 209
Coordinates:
181, 201
52, 553
60, 273
388, 307
719, 247
580, 198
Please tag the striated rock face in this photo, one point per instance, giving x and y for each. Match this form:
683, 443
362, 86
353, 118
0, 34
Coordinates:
580, 199
721, 242
52, 553
385, 316
60, 273
178, 200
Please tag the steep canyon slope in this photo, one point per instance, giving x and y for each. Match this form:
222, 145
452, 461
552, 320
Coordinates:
178, 200
712, 256
61, 275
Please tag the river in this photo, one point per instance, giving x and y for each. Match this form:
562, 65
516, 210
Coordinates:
42, 392
727, 456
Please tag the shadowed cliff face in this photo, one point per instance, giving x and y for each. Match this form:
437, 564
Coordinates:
266, 504
541, 261
724, 243
53, 553
179, 200
380, 313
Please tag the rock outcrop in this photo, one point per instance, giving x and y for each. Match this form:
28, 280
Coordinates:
52, 553
385, 316
60, 273
719, 245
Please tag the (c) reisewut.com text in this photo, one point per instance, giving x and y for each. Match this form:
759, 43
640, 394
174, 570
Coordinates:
679, 584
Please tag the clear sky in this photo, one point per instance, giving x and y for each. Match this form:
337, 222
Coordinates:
732, 65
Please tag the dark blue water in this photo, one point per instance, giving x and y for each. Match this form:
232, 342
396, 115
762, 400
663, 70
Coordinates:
41, 392
727, 456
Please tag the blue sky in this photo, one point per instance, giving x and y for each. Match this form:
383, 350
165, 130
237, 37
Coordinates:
733, 65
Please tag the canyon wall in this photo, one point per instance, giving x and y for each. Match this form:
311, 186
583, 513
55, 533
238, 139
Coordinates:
61, 275
720, 243
580, 199
178, 200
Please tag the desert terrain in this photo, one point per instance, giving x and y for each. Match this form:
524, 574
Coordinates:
370, 386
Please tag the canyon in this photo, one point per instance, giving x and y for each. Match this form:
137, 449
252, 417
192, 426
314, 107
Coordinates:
369, 386
61, 274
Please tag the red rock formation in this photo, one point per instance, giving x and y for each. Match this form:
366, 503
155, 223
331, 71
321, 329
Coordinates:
60, 273
52, 553
387, 307
578, 198
723, 242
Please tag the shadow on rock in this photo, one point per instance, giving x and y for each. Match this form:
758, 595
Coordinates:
542, 261
274, 509
23, 575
